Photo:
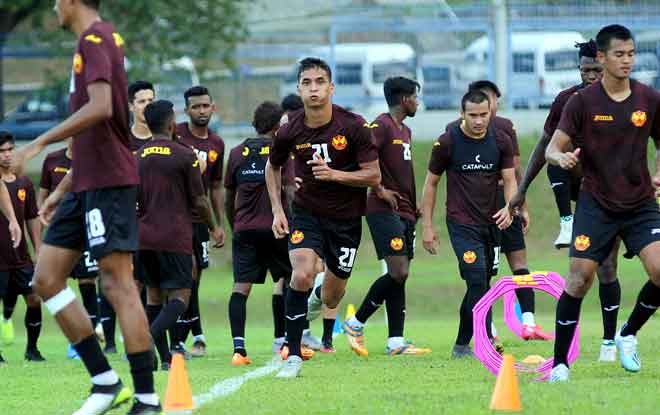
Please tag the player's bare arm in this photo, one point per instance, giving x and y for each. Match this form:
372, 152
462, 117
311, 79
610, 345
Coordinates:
203, 208
656, 176
367, 176
389, 196
556, 153
274, 185
230, 207
218, 204
8, 210
504, 217
34, 230
430, 238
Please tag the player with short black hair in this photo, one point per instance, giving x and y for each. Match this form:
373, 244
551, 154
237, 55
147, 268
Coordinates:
336, 160
474, 157
391, 215
609, 124
292, 102
140, 94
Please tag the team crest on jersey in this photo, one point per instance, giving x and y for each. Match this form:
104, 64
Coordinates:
297, 237
582, 243
469, 257
339, 142
396, 244
22, 194
77, 63
638, 118
213, 156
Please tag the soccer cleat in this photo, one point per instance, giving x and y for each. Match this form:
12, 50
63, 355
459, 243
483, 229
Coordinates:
310, 341
291, 368
565, 234
7, 331
535, 333
239, 360
104, 398
181, 348
314, 304
100, 335
355, 337
559, 374
627, 346
33, 355
461, 351
284, 352
607, 351
408, 349
327, 348
71, 353
198, 349
278, 344
306, 352
141, 408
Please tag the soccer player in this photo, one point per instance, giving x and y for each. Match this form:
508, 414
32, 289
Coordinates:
391, 216
140, 94
474, 157
565, 185
16, 267
337, 161
170, 187
56, 165
255, 251
609, 124
94, 206
210, 148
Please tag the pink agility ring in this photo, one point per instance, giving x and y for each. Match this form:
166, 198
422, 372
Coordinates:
549, 282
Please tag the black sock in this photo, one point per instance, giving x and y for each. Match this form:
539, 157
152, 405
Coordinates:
473, 294
317, 291
153, 311
296, 316
525, 295
560, 180
375, 297
33, 326
166, 320
237, 317
278, 316
92, 357
9, 303
328, 328
142, 371
108, 320
183, 323
610, 299
647, 302
90, 302
568, 315
196, 320
395, 304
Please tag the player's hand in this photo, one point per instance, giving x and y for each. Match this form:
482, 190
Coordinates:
298, 182
503, 218
569, 159
389, 196
517, 200
430, 240
15, 233
524, 218
320, 169
48, 208
280, 225
218, 235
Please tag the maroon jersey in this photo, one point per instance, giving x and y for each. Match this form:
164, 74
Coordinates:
473, 168
344, 143
170, 181
246, 170
137, 143
613, 138
396, 167
55, 167
211, 150
557, 108
21, 192
102, 152
502, 124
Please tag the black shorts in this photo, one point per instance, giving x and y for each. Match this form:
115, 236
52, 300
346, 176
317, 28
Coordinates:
477, 249
201, 245
103, 219
595, 228
255, 252
392, 235
86, 268
17, 281
512, 238
166, 270
336, 241
139, 273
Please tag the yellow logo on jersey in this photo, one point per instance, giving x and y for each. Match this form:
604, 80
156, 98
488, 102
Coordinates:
638, 118
436, 144
60, 170
372, 125
603, 118
77, 63
213, 156
196, 163
397, 141
22, 194
93, 38
264, 151
303, 146
339, 142
164, 151
246, 152
119, 41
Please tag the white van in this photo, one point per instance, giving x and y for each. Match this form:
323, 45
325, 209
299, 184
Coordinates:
542, 65
360, 71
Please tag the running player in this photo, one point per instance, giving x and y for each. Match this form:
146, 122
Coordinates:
337, 161
391, 215
474, 157
99, 211
609, 124
565, 185
16, 267
140, 94
210, 148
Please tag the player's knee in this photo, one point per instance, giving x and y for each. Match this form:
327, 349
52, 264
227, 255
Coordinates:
115, 288
46, 287
33, 301
242, 288
578, 283
399, 275
302, 279
331, 299
607, 272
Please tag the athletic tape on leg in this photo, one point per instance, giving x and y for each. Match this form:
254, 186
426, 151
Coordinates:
60, 300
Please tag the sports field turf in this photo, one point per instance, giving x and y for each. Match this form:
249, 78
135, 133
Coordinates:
346, 384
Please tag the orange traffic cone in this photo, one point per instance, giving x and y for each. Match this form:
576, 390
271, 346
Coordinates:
178, 396
506, 396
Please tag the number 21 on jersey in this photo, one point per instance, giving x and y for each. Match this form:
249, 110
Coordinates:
322, 150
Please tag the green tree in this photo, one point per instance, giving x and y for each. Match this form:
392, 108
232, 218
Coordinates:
154, 31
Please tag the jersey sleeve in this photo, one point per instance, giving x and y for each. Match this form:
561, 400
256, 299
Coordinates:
572, 116
514, 140
655, 127
366, 150
288, 172
31, 209
230, 183
45, 182
218, 163
193, 178
378, 133
505, 145
95, 54
282, 146
440, 155
554, 116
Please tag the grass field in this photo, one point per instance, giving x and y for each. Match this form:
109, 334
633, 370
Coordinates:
345, 383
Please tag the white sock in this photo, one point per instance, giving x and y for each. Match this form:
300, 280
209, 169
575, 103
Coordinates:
199, 338
493, 330
307, 332
148, 398
355, 323
528, 319
106, 378
568, 218
279, 339
395, 342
